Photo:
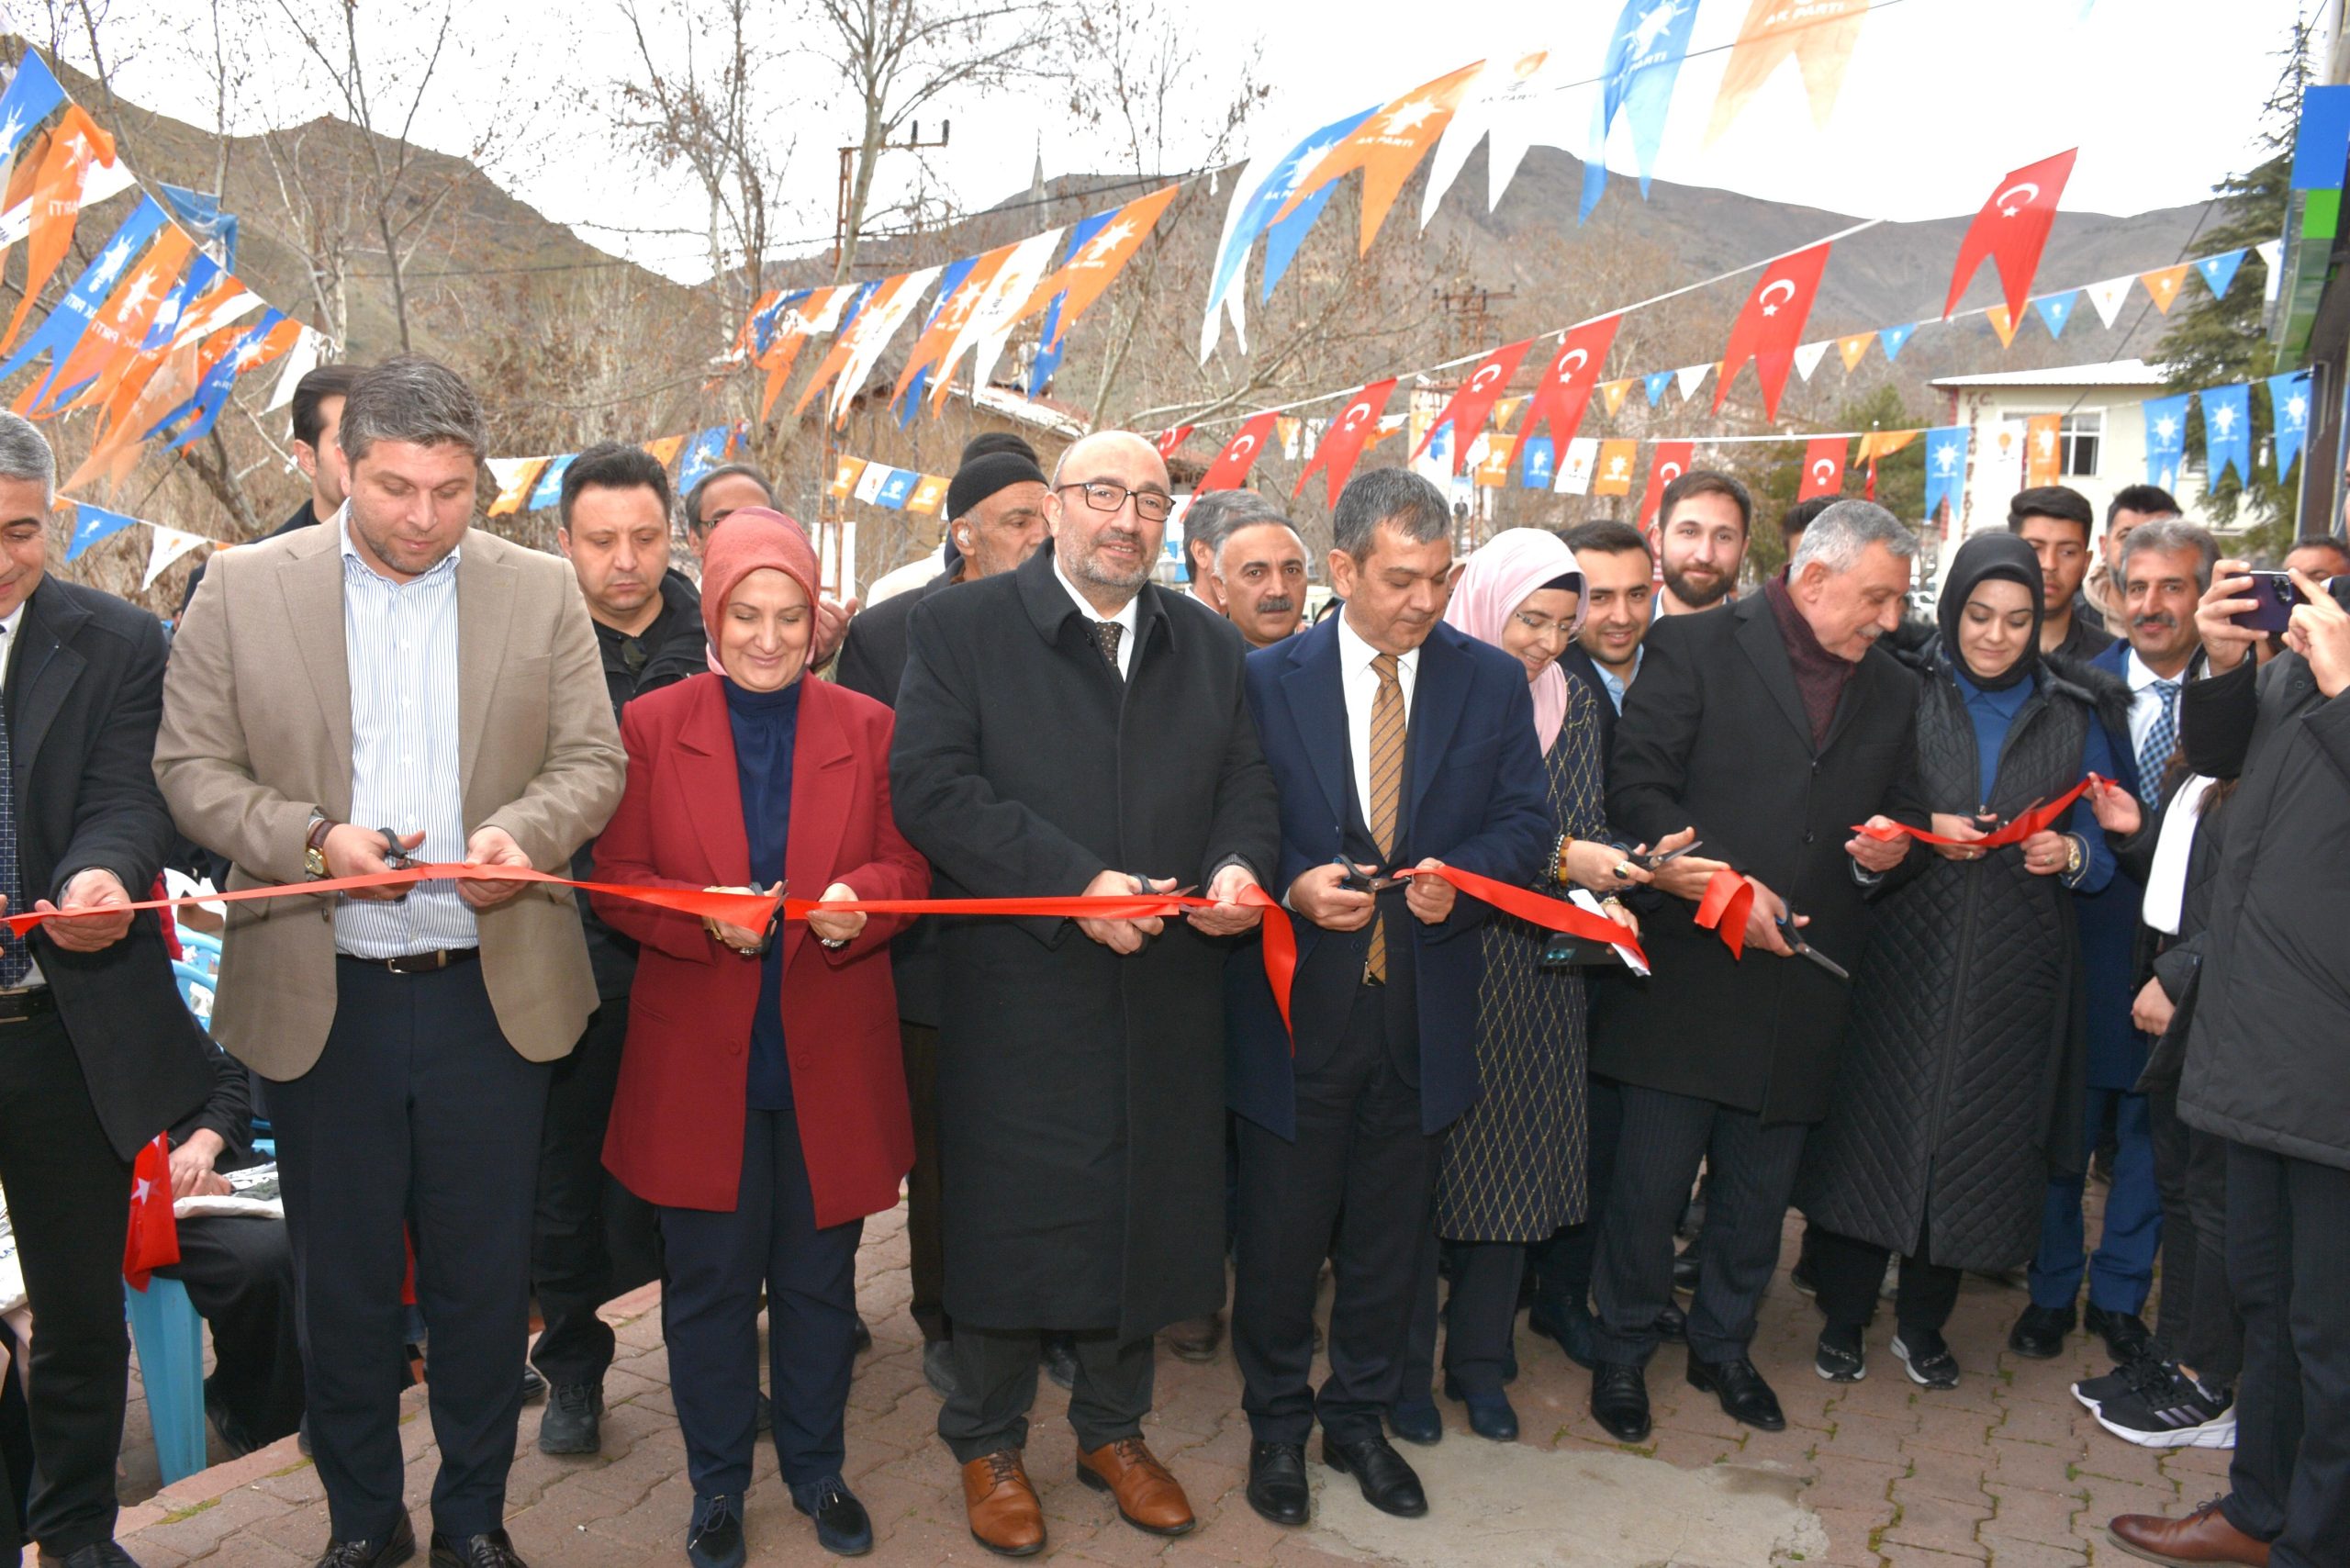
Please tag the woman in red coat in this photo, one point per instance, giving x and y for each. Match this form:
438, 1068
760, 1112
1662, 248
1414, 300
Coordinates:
761, 1098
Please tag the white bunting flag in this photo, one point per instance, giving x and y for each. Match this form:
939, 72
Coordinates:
1689, 377
300, 359
168, 546
2272, 256
2108, 297
1574, 469
1808, 357
1501, 103
869, 483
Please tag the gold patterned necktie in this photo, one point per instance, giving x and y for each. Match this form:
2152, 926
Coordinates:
1386, 790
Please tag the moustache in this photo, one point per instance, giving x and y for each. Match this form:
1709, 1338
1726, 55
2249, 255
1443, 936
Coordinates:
1280, 604
2156, 622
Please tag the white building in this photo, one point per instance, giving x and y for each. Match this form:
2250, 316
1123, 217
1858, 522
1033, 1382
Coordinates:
2102, 433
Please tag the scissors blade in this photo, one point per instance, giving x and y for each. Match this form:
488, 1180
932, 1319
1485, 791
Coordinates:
1805, 951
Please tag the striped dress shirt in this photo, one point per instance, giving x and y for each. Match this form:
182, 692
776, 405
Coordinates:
400, 642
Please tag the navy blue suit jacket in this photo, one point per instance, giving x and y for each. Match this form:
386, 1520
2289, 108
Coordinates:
1473, 797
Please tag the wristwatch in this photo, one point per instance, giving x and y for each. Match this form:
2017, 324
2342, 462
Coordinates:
314, 845
2074, 855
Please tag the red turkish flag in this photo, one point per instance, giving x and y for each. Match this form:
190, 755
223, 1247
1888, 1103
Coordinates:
1171, 440
1668, 463
154, 1239
1823, 468
1232, 464
1343, 442
1771, 325
2011, 230
1568, 384
1466, 413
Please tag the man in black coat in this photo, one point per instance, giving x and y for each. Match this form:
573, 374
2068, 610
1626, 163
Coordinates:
101, 1055
995, 506
613, 527
2264, 1071
1072, 728
1771, 729
317, 415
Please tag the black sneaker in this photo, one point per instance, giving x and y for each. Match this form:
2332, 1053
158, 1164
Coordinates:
843, 1528
2130, 1377
2125, 1334
2172, 1410
1926, 1356
714, 1534
574, 1419
1841, 1356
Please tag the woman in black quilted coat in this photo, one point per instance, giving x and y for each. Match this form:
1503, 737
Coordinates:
1958, 1078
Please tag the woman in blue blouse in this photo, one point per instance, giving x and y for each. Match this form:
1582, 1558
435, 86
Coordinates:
1962, 1078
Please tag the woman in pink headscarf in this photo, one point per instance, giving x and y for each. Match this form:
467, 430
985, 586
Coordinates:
1511, 1170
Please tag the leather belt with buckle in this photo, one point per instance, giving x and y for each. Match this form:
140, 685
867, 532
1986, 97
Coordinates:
24, 1006
416, 963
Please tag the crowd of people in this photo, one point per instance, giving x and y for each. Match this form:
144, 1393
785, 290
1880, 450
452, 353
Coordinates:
496, 1091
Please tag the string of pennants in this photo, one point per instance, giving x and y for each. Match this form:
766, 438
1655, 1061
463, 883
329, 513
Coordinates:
151, 336
535, 483
893, 489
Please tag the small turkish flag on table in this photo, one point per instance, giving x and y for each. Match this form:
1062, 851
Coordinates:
154, 1241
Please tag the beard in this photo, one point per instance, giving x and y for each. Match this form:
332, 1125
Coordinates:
1090, 568
1698, 596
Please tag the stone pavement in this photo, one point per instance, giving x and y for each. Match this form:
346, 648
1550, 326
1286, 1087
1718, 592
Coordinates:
2006, 1469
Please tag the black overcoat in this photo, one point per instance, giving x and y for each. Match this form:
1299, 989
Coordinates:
1713, 735
1080, 1094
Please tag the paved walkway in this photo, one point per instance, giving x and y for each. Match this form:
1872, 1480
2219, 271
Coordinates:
2006, 1469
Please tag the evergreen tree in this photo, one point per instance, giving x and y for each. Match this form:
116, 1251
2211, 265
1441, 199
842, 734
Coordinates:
1774, 471
2214, 342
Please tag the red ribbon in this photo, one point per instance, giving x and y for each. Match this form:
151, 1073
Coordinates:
1553, 914
2034, 820
1730, 897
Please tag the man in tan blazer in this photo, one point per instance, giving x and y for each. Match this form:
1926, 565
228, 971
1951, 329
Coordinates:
391, 684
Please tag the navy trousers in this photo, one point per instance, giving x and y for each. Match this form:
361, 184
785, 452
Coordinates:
2122, 1271
709, 1316
418, 1114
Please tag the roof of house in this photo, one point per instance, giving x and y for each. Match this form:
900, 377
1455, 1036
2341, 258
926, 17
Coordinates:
2106, 373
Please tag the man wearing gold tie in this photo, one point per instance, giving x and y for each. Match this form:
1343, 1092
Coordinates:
1397, 742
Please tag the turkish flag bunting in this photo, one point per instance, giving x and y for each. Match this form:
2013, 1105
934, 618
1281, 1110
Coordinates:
1170, 441
1466, 413
1823, 467
1344, 441
1232, 464
154, 1239
1567, 385
1771, 325
2012, 229
1670, 461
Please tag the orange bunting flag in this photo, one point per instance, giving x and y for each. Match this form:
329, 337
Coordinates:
2001, 323
2012, 229
56, 198
1084, 275
2042, 449
2163, 283
949, 317
820, 312
1823, 467
1387, 147
1666, 464
929, 494
1356, 426
1612, 475
844, 476
1818, 35
1566, 387
1613, 392
1851, 349
112, 339
1493, 464
1768, 330
517, 477
1882, 443
1232, 464
1474, 399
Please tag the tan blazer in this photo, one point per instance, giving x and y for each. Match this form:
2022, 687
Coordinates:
256, 735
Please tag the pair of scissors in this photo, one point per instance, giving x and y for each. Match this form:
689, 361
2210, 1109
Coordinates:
1792, 936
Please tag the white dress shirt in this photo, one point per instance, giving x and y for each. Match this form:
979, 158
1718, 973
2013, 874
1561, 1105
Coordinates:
1126, 617
15, 619
1361, 683
2144, 704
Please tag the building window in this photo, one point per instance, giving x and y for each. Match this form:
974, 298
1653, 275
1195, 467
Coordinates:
2079, 436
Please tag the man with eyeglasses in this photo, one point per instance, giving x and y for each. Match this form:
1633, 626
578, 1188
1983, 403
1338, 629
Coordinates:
1069, 727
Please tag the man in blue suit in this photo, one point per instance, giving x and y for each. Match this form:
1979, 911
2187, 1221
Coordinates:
1395, 741
2165, 566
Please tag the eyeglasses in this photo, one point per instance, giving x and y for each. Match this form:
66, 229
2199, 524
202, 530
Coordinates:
1150, 505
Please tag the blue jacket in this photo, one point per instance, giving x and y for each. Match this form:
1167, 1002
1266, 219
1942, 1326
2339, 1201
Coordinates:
1473, 797
2109, 925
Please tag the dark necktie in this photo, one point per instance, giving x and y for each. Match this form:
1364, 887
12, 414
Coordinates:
15, 957
2162, 739
1105, 637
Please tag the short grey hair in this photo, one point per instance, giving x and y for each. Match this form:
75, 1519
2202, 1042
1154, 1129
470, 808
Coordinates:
412, 399
2170, 535
1215, 517
1839, 537
1267, 520
1396, 496
25, 454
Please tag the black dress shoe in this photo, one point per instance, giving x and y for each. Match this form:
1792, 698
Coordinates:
1685, 1270
489, 1550
1619, 1400
1672, 1324
1059, 1354
843, 1527
1388, 1484
395, 1548
2125, 1334
574, 1421
1491, 1416
534, 1387
2040, 1332
1745, 1397
100, 1554
1277, 1488
1416, 1421
1569, 1325
860, 1338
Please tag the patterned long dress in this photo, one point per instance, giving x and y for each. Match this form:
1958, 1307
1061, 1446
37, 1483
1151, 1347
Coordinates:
1512, 1168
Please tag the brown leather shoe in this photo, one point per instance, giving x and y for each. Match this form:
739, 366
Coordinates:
2203, 1536
1148, 1498
1003, 1505
1195, 1338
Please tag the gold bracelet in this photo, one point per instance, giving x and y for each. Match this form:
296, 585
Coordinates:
1558, 862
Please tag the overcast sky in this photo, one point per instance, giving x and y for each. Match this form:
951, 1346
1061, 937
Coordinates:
1941, 96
